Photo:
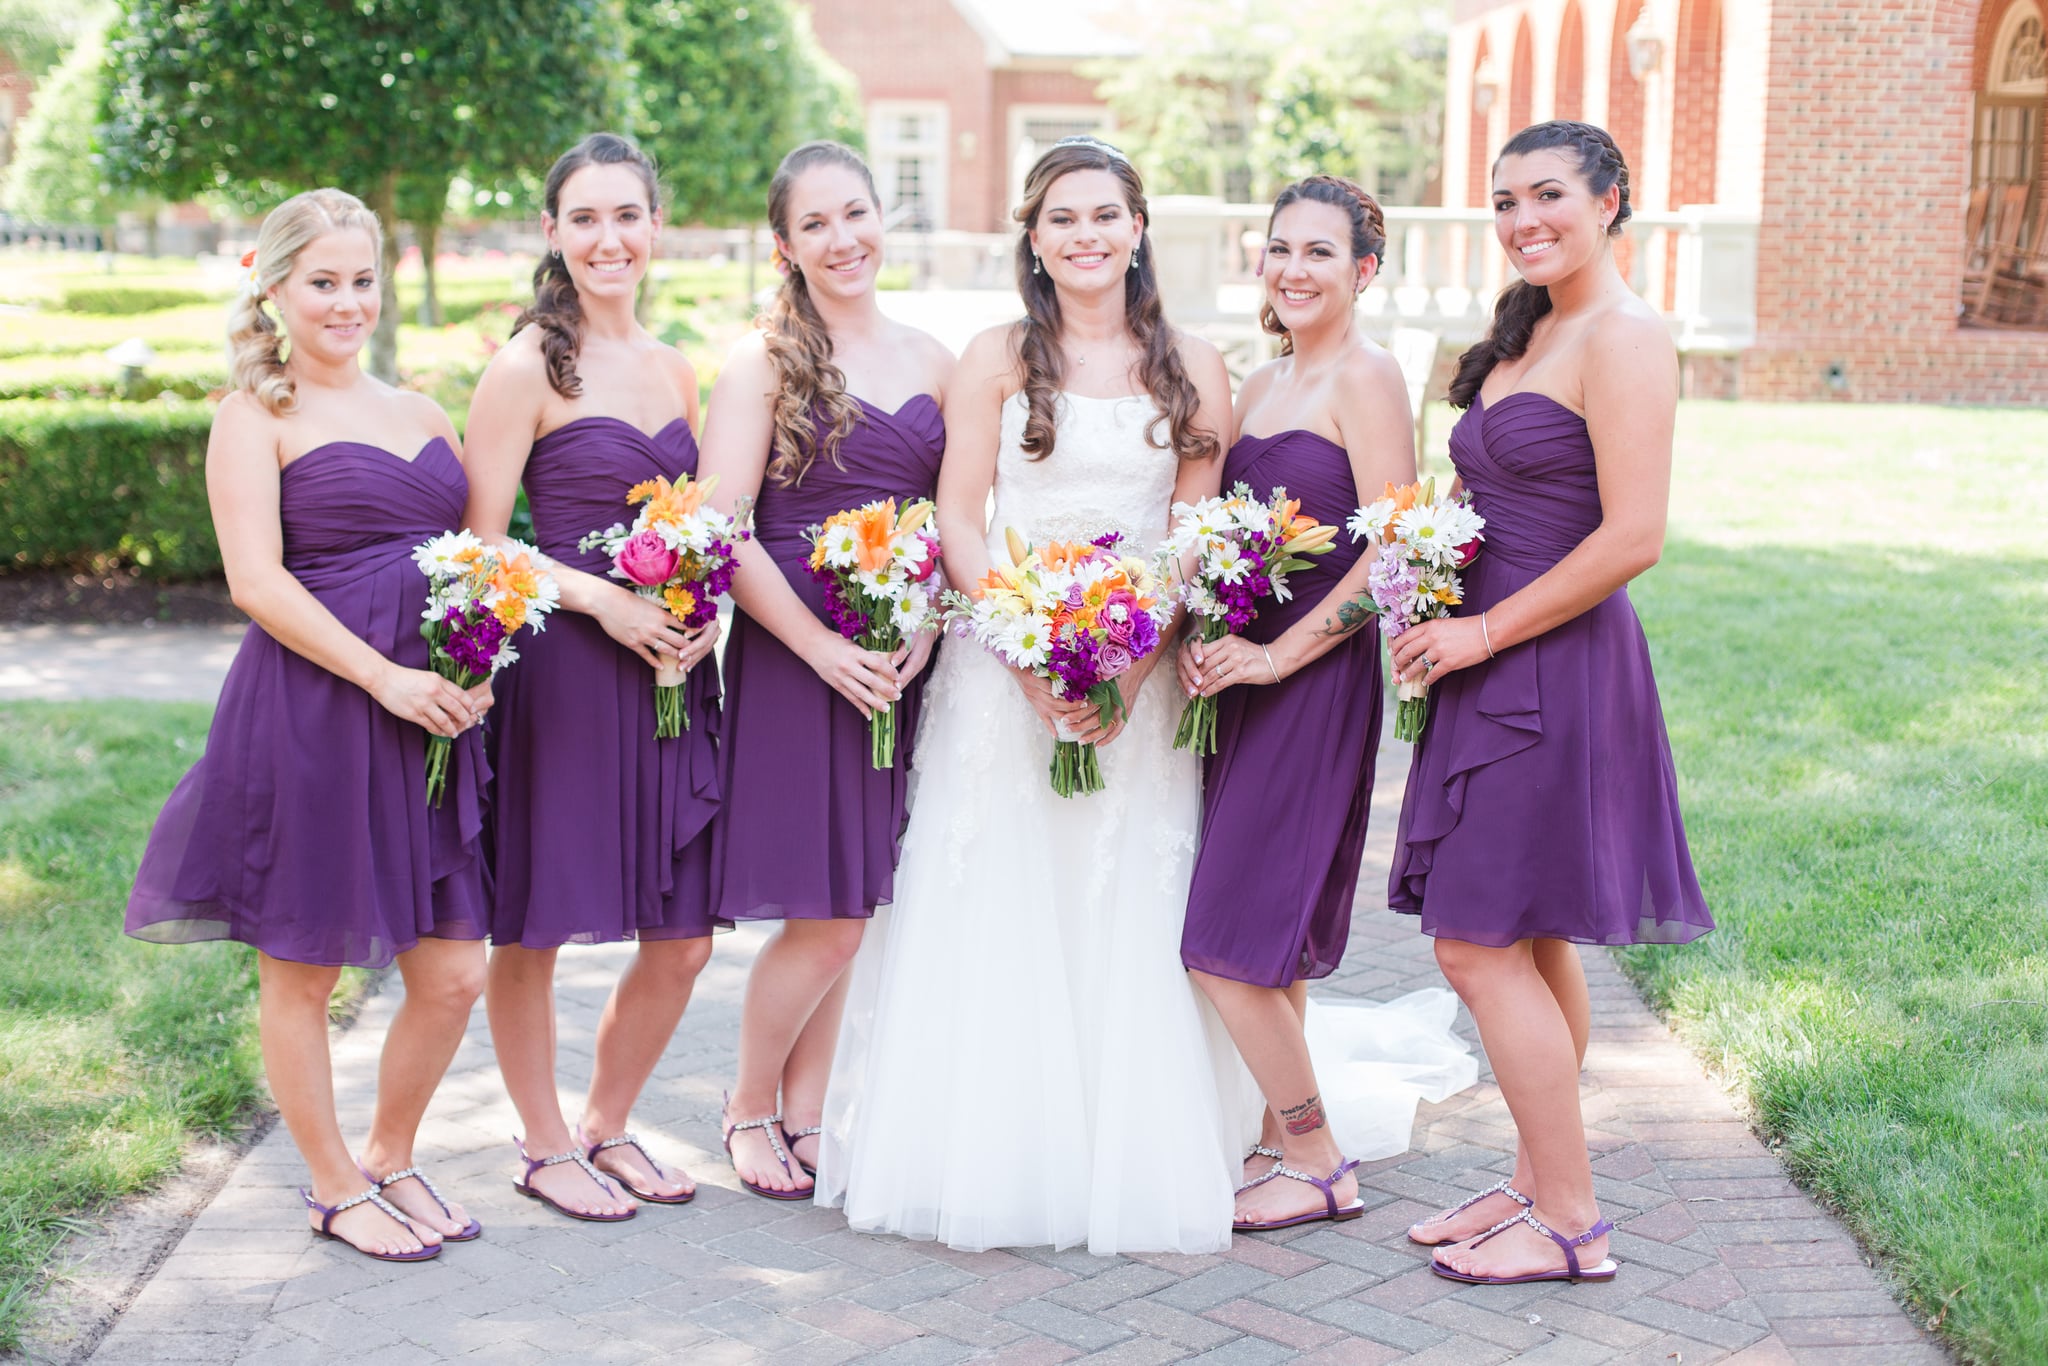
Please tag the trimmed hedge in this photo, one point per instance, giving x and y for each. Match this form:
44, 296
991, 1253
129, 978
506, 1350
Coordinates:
121, 300
93, 485
188, 374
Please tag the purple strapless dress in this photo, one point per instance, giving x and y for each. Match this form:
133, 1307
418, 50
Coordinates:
304, 829
1542, 802
1286, 795
810, 829
599, 831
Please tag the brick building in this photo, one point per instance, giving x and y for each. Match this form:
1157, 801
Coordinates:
1892, 152
961, 95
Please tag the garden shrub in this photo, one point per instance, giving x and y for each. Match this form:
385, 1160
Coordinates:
124, 299
93, 485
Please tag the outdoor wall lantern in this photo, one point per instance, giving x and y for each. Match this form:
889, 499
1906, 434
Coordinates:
1485, 86
1645, 47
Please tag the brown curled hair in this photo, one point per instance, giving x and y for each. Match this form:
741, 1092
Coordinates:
1368, 230
1035, 341
1522, 304
555, 309
799, 344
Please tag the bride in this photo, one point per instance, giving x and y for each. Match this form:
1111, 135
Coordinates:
1023, 1060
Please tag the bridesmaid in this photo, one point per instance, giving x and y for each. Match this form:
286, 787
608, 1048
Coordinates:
829, 406
304, 830
1542, 808
1270, 907
601, 832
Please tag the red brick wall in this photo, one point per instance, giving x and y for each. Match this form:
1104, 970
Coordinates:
924, 50
1625, 92
1861, 272
1027, 85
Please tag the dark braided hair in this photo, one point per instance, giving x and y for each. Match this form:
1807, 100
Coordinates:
1521, 304
1368, 230
555, 309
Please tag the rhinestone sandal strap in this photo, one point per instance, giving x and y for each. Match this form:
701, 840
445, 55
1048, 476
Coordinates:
631, 1141
1326, 1184
812, 1132
1261, 1150
415, 1174
1271, 1172
771, 1128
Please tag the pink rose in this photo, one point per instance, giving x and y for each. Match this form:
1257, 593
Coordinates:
931, 561
645, 559
1113, 660
1119, 617
1468, 552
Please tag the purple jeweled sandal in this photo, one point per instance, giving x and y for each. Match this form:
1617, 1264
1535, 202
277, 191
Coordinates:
790, 1136
368, 1197
524, 1185
772, 1128
1603, 1272
1497, 1188
1327, 1185
470, 1232
591, 1150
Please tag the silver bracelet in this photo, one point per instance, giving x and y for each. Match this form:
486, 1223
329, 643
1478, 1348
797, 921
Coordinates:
1486, 635
1269, 663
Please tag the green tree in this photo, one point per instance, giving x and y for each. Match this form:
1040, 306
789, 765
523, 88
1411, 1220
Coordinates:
1234, 98
721, 91
55, 174
372, 95
39, 33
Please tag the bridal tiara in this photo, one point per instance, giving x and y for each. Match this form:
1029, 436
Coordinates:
1090, 140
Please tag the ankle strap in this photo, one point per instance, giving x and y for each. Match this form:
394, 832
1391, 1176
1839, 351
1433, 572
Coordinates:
1571, 1246
1326, 1184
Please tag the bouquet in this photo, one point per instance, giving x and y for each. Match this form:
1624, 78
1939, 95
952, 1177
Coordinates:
877, 566
1421, 545
1243, 551
478, 597
679, 553
1080, 615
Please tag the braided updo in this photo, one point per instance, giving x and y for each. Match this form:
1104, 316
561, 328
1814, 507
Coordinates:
1521, 304
1368, 230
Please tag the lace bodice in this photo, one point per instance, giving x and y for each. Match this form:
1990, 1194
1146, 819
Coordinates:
1103, 475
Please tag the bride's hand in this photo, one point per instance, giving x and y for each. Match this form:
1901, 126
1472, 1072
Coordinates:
865, 678
1050, 709
1129, 685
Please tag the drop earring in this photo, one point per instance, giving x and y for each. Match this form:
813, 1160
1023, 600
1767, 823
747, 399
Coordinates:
1134, 259
1035, 268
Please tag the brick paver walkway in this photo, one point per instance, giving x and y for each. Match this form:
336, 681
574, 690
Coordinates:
1723, 1259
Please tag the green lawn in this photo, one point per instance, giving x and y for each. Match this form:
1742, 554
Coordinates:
112, 1052
1851, 634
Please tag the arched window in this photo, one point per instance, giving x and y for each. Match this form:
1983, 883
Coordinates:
1570, 101
2005, 273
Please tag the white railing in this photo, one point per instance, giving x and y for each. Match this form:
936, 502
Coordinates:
1443, 268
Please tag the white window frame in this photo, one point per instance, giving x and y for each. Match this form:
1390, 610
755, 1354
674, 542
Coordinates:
886, 146
1020, 114
1995, 82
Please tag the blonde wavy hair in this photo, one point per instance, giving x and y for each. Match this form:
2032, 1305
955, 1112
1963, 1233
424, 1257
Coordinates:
255, 342
809, 385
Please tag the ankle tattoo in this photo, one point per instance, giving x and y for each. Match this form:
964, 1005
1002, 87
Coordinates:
1304, 1118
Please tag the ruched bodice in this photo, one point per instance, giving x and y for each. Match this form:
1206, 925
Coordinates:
1102, 475
304, 829
577, 476
1317, 471
889, 455
1527, 461
1542, 802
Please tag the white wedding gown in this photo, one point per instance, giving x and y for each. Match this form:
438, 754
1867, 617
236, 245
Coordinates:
1023, 1060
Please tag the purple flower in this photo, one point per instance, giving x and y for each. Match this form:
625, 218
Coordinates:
1107, 540
1115, 659
1119, 616
474, 635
